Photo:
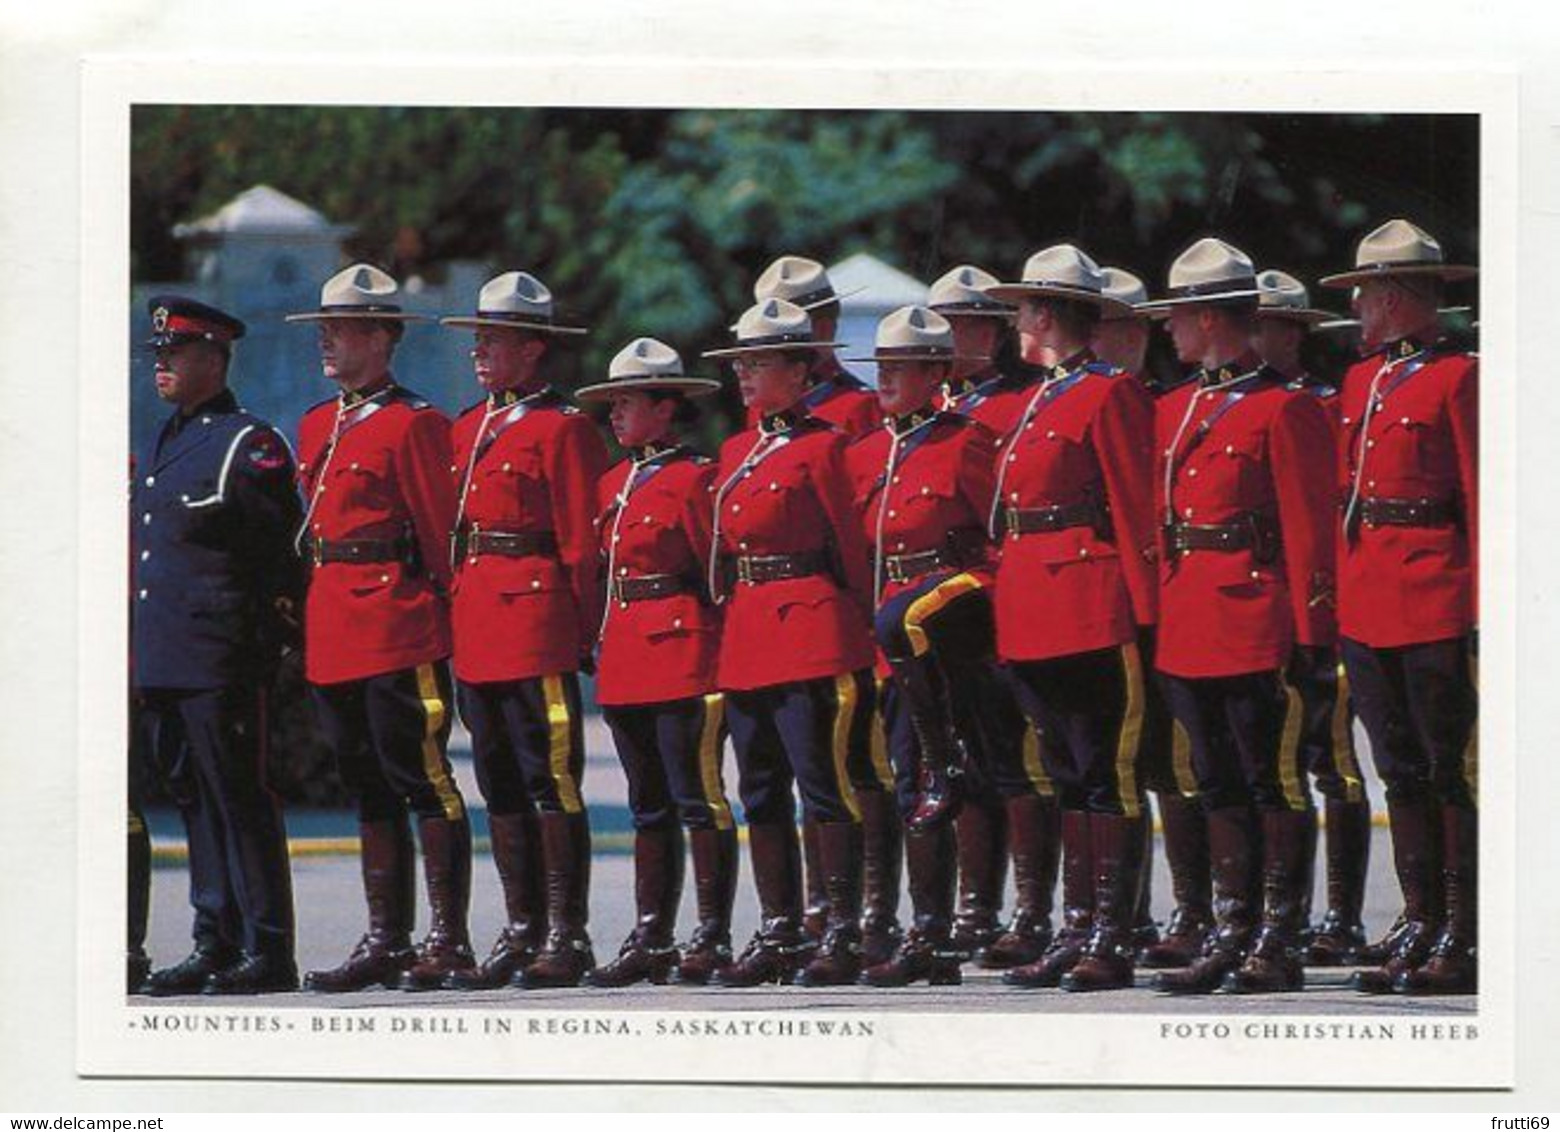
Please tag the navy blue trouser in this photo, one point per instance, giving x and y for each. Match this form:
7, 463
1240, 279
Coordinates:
209, 747
671, 756
389, 734
527, 743
800, 732
1327, 734
1245, 739
1420, 709
1090, 707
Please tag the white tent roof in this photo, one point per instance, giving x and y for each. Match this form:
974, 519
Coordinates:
263, 211
884, 288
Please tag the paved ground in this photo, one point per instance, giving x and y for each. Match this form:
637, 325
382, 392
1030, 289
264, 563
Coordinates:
328, 896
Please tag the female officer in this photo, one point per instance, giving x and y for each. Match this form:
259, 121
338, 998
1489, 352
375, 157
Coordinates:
789, 562
924, 482
656, 674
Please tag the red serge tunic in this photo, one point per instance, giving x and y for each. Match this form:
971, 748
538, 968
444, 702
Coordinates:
654, 514
1227, 447
1085, 437
527, 465
996, 400
373, 466
934, 497
783, 488
1401, 585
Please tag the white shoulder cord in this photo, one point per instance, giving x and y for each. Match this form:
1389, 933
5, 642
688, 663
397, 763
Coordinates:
748, 461
471, 459
882, 512
1003, 458
621, 500
1175, 443
1359, 462
319, 477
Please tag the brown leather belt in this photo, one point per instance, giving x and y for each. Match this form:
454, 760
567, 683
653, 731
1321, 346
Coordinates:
1380, 512
647, 587
507, 544
1255, 531
323, 550
756, 569
1031, 520
908, 567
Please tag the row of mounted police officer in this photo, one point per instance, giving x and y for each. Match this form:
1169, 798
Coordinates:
968, 620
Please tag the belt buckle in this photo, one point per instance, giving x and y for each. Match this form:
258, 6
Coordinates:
1010, 520
473, 543
895, 569
317, 551
745, 569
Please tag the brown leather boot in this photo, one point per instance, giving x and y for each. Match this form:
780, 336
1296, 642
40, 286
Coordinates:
1186, 852
446, 847
1272, 965
778, 947
882, 865
1035, 826
1340, 936
1233, 844
980, 831
1416, 853
649, 953
517, 855
384, 954
1453, 966
815, 917
1078, 883
714, 854
925, 952
837, 961
566, 956
1116, 847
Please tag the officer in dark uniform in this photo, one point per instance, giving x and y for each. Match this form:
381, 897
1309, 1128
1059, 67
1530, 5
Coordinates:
1284, 319
922, 486
1009, 804
213, 573
374, 465
836, 396
1407, 596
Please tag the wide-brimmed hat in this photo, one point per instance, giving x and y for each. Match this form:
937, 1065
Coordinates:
177, 320
1210, 271
1398, 248
799, 280
647, 364
914, 334
1285, 297
772, 324
962, 291
359, 291
1125, 287
1061, 271
515, 299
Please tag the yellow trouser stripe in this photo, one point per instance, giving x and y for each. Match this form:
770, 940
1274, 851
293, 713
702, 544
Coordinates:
709, 761
1344, 758
1181, 760
844, 718
1128, 746
1034, 765
137, 826
1471, 751
930, 603
560, 744
1289, 748
878, 747
434, 713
